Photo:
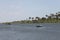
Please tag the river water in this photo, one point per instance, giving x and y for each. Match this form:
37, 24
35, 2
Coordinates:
30, 32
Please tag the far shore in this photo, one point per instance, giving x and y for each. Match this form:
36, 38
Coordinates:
52, 18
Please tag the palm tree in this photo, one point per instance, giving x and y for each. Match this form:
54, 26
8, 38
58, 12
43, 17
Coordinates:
59, 14
32, 18
52, 14
37, 18
56, 17
43, 19
59, 17
51, 17
46, 15
29, 18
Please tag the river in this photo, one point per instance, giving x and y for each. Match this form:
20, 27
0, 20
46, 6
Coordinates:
30, 32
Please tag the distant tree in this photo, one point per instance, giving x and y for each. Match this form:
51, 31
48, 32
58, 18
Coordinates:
52, 15
43, 18
56, 17
32, 18
59, 12
34, 21
37, 18
8, 23
59, 15
29, 18
46, 15
49, 17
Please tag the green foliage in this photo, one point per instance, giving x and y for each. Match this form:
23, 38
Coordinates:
52, 18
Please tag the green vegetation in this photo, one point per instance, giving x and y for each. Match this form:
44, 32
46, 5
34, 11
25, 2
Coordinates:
52, 18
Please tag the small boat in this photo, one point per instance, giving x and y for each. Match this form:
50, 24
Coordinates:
39, 26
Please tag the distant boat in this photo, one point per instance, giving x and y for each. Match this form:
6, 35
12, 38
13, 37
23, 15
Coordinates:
39, 26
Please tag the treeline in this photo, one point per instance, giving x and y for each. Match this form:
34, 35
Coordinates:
52, 18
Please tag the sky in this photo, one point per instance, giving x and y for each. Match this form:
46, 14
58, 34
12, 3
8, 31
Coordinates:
13, 10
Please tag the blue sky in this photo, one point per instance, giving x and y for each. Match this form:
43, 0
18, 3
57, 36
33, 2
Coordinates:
11, 10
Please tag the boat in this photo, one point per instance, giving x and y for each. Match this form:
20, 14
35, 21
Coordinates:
39, 26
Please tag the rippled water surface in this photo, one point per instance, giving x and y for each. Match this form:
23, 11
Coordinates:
30, 32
